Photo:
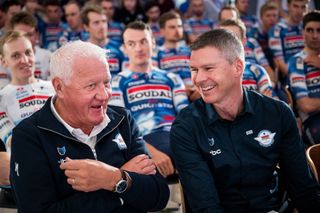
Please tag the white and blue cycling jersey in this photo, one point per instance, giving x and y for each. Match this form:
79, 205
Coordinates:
263, 40
250, 21
115, 57
285, 40
115, 30
155, 28
176, 60
304, 80
18, 102
69, 35
256, 78
254, 53
197, 27
50, 33
154, 98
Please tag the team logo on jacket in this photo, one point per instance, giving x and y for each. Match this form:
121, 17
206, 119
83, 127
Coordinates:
211, 141
120, 142
61, 150
265, 138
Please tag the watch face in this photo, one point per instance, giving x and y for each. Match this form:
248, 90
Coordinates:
121, 186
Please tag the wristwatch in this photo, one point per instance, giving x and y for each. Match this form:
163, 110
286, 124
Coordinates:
123, 184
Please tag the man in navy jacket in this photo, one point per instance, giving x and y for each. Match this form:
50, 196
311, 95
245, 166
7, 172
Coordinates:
77, 154
227, 144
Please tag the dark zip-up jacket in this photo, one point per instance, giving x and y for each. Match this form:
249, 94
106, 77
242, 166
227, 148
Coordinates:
228, 166
39, 144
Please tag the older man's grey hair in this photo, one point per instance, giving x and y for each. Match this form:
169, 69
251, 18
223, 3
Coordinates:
63, 59
225, 41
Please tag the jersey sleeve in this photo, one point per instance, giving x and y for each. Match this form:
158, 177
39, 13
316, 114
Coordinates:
187, 27
180, 98
263, 79
297, 78
6, 124
275, 42
259, 54
117, 98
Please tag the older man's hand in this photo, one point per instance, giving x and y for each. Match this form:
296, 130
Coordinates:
140, 164
90, 175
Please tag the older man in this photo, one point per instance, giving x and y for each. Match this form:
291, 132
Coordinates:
79, 155
228, 143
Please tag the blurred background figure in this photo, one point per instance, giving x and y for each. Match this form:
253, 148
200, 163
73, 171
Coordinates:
129, 11
114, 28
26, 24
197, 24
8, 9
152, 10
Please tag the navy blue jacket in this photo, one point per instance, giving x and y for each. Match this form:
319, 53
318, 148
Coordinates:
228, 166
41, 141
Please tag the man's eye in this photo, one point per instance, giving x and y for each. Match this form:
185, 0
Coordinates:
131, 44
91, 86
193, 70
15, 56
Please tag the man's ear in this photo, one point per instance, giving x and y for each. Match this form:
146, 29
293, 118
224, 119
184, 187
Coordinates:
239, 66
3, 61
85, 27
58, 86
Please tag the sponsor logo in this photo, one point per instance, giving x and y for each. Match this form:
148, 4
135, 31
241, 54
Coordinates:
297, 79
2, 115
120, 142
32, 101
215, 152
175, 61
61, 150
150, 106
313, 79
145, 92
265, 138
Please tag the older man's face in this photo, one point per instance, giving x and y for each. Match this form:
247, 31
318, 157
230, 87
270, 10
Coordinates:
85, 98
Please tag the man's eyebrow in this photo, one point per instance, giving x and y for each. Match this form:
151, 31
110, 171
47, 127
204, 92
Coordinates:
137, 40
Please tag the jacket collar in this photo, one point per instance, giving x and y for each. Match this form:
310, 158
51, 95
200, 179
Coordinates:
212, 115
49, 122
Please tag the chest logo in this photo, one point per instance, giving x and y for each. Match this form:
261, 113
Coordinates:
120, 142
61, 150
211, 141
265, 138
16, 168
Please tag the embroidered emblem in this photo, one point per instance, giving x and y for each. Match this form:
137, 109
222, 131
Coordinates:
120, 142
61, 150
16, 168
249, 132
211, 141
265, 138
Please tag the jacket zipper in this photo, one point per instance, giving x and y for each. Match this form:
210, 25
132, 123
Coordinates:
92, 149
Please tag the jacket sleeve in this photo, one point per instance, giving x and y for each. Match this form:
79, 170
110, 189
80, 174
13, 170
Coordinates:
34, 184
148, 192
195, 174
301, 186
